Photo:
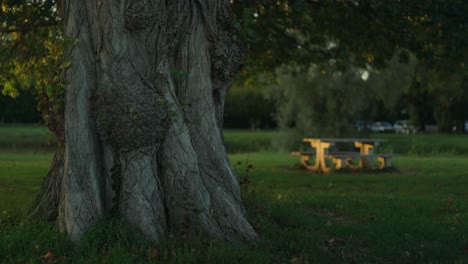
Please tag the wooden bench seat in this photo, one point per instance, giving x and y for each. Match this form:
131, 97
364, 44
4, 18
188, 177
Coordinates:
337, 154
324, 158
345, 158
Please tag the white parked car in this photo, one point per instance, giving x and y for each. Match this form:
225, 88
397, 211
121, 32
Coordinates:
404, 127
454, 128
362, 125
382, 127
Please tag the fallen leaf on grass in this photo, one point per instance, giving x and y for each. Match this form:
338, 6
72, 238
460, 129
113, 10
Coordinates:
335, 214
104, 249
49, 256
257, 226
298, 259
153, 252
244, 181
334, 241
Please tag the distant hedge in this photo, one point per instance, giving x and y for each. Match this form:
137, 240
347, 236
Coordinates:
22, 109
248, 109
243, 110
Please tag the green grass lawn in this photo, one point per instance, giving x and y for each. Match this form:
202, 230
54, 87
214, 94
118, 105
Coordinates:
24, 138
20, 137
237, 141
20, 179
426, 144
416, 214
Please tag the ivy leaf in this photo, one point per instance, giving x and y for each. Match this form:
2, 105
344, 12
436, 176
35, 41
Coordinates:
49, 91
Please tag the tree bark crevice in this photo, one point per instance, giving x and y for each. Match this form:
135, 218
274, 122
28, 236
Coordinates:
81, 190
141, 202
47, 202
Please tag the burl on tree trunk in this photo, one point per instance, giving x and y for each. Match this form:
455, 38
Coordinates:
143, 120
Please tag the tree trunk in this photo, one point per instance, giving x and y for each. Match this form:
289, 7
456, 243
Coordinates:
143, 120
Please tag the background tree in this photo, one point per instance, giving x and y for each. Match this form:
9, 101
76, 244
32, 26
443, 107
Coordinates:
327, 102
31, 56
21, 109
319, 103
366, 34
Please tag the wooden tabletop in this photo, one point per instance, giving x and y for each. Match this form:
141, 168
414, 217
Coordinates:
344, 140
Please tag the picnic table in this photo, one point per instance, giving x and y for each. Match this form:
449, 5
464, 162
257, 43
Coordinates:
341, 159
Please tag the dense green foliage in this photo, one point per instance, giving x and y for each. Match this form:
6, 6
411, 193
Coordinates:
30, 34
367, 32
367, 35
248, 108
413, 215
359, 34
321, 103
21, 109
32, 55
328, 102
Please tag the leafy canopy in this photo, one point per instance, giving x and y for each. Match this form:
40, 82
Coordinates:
365, 32
300, 33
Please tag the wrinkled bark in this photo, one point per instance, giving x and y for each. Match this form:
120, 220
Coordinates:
46, 205
143, 120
